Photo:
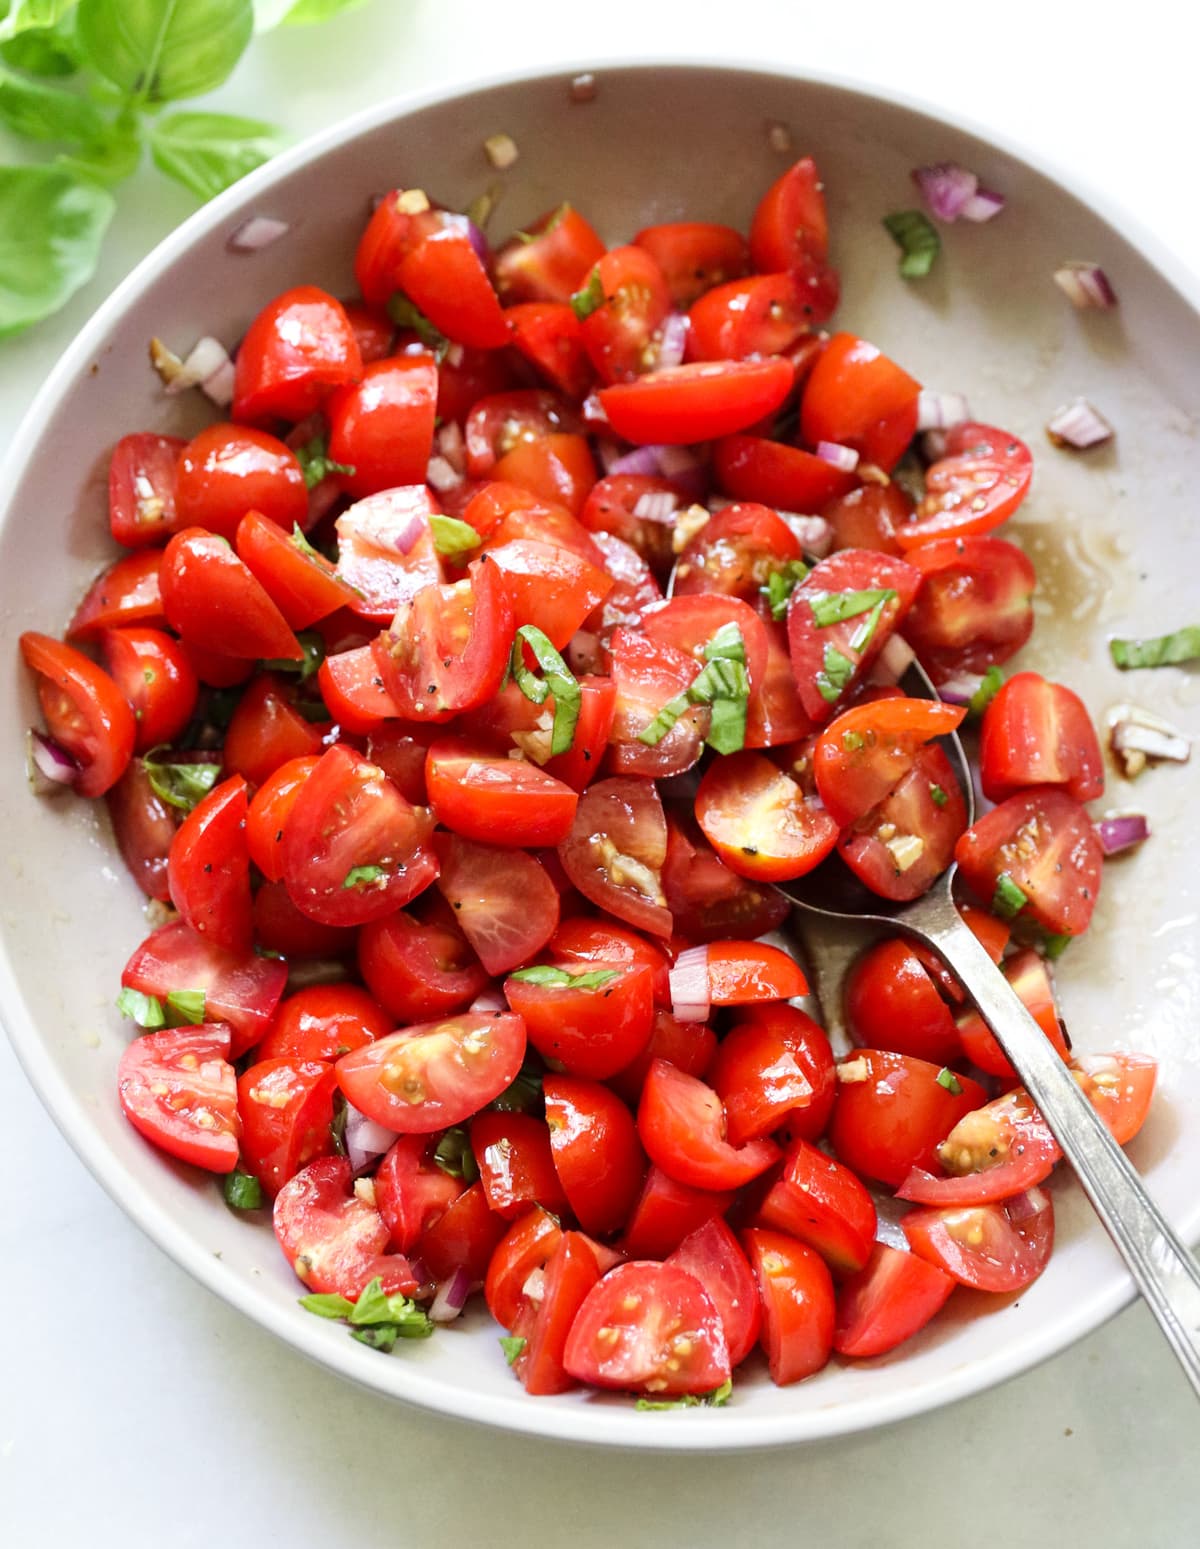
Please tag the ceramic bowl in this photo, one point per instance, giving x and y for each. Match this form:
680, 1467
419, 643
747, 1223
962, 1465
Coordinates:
1113, 534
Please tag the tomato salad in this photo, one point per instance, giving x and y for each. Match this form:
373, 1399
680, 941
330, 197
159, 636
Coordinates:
459, 700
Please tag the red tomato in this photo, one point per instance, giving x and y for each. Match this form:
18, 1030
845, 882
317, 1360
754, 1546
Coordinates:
84, 710
688, 624
141, 488
295, 352
580, 764
266, 731
629, 300
688, 1045
859, 398
412, 1192
754, 468
549, 261
482, 797
992, 935
590, 1031
682, 1126
587, 939
759, 821
775, 716
214, 602
526, 1246
177, 1087
709, 901
209, 868
640, 509
869, 517
790, 223
502, 900
558, 468
464, 1237
995, 1152
549, 587
444, 277
892, 1112
125, 593
798, 1304
829, 659
382, 426
908, 840
143, 826
501, 422
351, 685
615, 851
386, 551
887, 1302
978, 483
392, 230
711, 1254
353, 849
647, 675
374, 331
823, 1204
697, 402
214, 669
466, 375
649, 1328
761, 1075
974, 607
549, 335
666, 1213
863, 755
595, 1146
1039, 733
400, 751
512, 1152
1044, 843
241, 990
799, 1039
228, 470
155, 676
1029, 977
323, 1022
1119, 1087
735, 552
334, 1240
570, 1274
268, 813
633, 592
892, 1003
417, 970
767, 314
1001, 1247
301, 582
507, 513
447, 647
742, 972
286, 1108
693, 256
282, 928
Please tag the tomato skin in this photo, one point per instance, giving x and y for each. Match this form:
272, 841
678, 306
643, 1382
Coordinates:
708, 900
84, 710
503, 901
774, 716
865, 752
141, 488
620, 821
571, 1272
558, 468
370, 557
1119, 1087
993, 1152
743, 972
527, 1245
209, 868
869, 517
760, 821
400, 750
590, 1032
295, 352
156, 677
682, 1126
647, 675
974, 607
580, 764
214, 602
382, 426
412, 1192
667, 1212
693, 256
857, 397
688, 1045
761, 1074
266, 732
892, 1298
596, 1151
177, 1088
280, 927
891, 1002
678, 405
999, 1248
612, 507
1039, 733
228, 470
323, 1022
267, 815
554, 264
1046, 844
790, 222
445, 279
892, 1114
980, 481
374, 331
126, 593
659, 1312
712, 1255
753, 468
143, 826
798, 1304
735, 552
335, 1241
500, 422
549, 335
351, 684
622, 333
512, 1152
549, 587
767, 314
463, 1237
1029, 977
418, 971
286, 1108
822, 1204
808, 1045
482, 797
302, 583
909, 809
435, 1074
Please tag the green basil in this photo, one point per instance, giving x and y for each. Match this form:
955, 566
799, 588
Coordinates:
1008, 899
186, 1007
835, 674
161, 50
781, 584
316, 464
24, 15
453, 537
363, 876
51, 225
585, 301
146, 1010
182, 786
1183, 645
916, 237
206, 152
512, 1345
543, 973
405, 315
242, 1191
557, 679
46, 112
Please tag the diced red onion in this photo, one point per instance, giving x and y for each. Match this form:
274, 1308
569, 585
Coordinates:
1138, 732
656, 505
364, 1139
982, 205
1086, 285
51, 768
960, 689
933, 446
412, 530
641, 460
939, 411
420, 1273
491, 999
672, 341
814, 533
441, 475
893, 661
945, 187
478, 241
450, 1297
1021, 1207
1122, 832
1080, 425
843, 457
688, 979
451, 445
535, 1285
256, 233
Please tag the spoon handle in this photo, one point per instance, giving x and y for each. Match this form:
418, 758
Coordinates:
1161, 1264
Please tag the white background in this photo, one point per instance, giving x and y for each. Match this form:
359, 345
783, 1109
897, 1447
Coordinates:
136, 1409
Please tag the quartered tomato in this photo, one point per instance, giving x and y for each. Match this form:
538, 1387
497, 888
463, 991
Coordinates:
549, 335
893, 1111
682, 1125
708, 899
527, 1246
334, 1240
615, 850
689, 1046
570, 1274
412, 1192
909, 839
212, 600
820, 1202
595, 1146
141, 488
228, 470
979, 482
85, 711
857, 397
267, 731
1002, 1247
209, 868
690, 623
501, 422
143, 826
639, 508
625, 301
1039, 733
864, 754
711, 1253
633, 592
694, 256
974, 608
445, 279
382, 426
798, 1304
767, 314
648, 675
549, 587
667, 1212
502, 900
153, 672
512, 1152
177, 1087
386, 553
419, 969
785, 1033
892, 1298
736, 552
760, 821
869, 517
1030, 978
776, 474
126, 593
295, 352
323, 1022
697, 402
550, 260
286, 1108
790, 223
485, 797
992, 1153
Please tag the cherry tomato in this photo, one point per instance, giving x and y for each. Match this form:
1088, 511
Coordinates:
481, 796
419, 970
908, 840
892, 1003
693, 256
629, 300
549, 335
790, 223
444, 277
501, 422
974, 607
295, 352
892, 1298
335, 1241
712, 1255
512, 1152
558, 468
688, 624
382, 426
351, 685
282, 928
994, 1152
400, 750
286, 1108
767, 314
214, 602
596, 1151
667, 1212
762, 1075
549, 261
857, 397
863, 755
143, 826
822, 1204
323, 1022
688, 1045
615, 851
774, 715
156, 677
126, 593
386, 551
978, 483
775, 474
301, 582
735, 552
570, 1274
892, 1112
760, 821
697, 402
798, 1304
640, 509
869, 517
228, 470
463, 1237
374, 331
526, 1246
580, 764
682, 1126
209, 868
800, 1040
585, 939
1119, 1087
141, 488
1001, 1248
268, 813
1029, 977
412, 1192
591, 1030
549, 587
177, 1088
266, 731
1039, 733
647, 676
84, 710
709, 901
502, 900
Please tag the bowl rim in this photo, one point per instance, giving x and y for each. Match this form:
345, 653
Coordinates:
599, 1425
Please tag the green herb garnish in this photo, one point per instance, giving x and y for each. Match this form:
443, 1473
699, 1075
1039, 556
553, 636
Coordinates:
1183, 645
717, 1399
146, 1010
453, 1154
938, 796
946, 1078
312, 643
316, 465
557, 679
512, 1345
834, 607
918, 241
835, 674
405, 315
180, 785
363, 876
1008, 899
989, 686
375, 1318
585, 301
543, 973
724, 684
242, 1191
453, 537
781, 584
186, 1007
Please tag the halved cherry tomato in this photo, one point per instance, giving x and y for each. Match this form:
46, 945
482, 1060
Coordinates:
214, 602
892, 1298
800, 1040
268, 812
527, 1245
651, 1328
992, 935
868, 517
141, 488
596, 1150
1039, 733
743, 972
857, 397
774, 715
893, 1111
754, 468
228, 470
1029, 977
667, 1212
974, 607
323, 1022
580, 764
295, 352
84, 710
509, 513
143, 826
908, 840
549, 261
1002, 1247
463, 1237
994, 1152
482, 797
821, 1203
412, 1192
790, 223
891, 1002
209, 868
386, 552
512, 1152
334, 1240
419, 970
286, 1108
299, 580
711, 1253
767, 314
697, 402
629, 301
694, 256
391, 231
282, 928
435, 1074
570, 1274
863, 754
549, 335
640, 509
382, 426
1044, 844
351, 685
445, 278
126, 593
1119, 1087
759, 821
549, 587
267, 731
761, 1075
466, 375
399, 749
587, 939
558, 468
648, 675
736, 552
979, 482
615, 851
178, 1088
353, 848
502, 900
374, 330
590, 1029
682, 1126
709, 900
153, 672
798, 1304
690, 1046
501, 422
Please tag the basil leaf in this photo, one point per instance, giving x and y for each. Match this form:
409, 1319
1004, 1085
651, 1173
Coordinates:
146, 1010
543, 973
363, 876
111, 158
949, 1081
312, 643
22, 15
374, 1307
585, 300
834, 607
453, 537
557, 679
187, 1006
1183, 645
454, 1156
207, 152
51, 225
512, 1345
524, 1094
1054, 945
298, 13
382, 1337
160, 50
781, 584
989, 686
180, 785
717, 1399
46, 112
327, 1304
1008, 899
836, 672
242, 1191
45, 51
722, 683
405, 315
914, 234
316, 464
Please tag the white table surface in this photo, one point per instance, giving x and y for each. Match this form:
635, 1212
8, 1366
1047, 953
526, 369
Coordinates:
137, 1409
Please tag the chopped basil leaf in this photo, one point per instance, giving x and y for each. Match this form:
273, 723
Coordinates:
1008, 899
402, 312
363, 875
381, 1336
145, 1010
187, 1006
375, 1318
585, 301
835, 674
543, 973
512, 1345
375, 1306
180, 785
914, 234
524, 1093
316, 463
312, 643
300, 542
1183, 645
453, 537
454, 1156
990, 685
717, 1399
946, 1078
327, 1305
1054, 945
557, 679
480, 208
865, 633
724, 684
781, 584
834, 607
938, 796
242, 1191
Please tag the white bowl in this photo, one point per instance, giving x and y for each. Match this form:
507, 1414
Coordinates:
1113, 533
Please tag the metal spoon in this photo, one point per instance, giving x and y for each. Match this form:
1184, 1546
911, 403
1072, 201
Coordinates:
1162, 1266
